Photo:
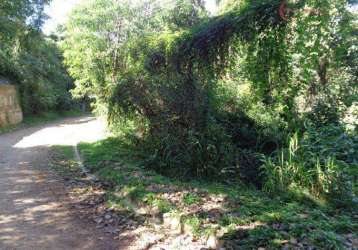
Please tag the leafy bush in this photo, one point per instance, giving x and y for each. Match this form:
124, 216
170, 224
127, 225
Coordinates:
324, 113
211, 96
323, 161
205, 155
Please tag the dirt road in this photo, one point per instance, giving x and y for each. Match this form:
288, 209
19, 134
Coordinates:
34, 213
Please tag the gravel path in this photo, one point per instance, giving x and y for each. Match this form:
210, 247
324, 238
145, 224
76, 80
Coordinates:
34, 210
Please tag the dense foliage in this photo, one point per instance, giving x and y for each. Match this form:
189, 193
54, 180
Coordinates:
217, 97
30, 60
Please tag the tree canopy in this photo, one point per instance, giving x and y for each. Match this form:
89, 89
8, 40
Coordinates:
31, 60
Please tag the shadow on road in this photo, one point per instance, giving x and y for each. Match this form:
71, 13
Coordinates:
34, 212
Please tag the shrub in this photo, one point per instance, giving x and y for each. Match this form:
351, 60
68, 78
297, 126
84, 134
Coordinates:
322, 161
324, 112
209, 154
182, 80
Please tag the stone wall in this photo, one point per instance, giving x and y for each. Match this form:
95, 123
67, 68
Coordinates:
10, 110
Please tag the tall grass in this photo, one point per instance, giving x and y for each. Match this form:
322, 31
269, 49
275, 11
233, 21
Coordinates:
321, 170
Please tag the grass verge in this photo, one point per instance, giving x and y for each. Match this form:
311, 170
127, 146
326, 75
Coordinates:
64, 163
243, 217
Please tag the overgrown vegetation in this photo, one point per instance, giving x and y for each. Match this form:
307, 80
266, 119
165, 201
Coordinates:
242, 217
264, 93
31, 60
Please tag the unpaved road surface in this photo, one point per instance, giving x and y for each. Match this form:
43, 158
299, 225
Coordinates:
34, 213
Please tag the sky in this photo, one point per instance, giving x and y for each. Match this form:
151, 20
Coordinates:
59, 10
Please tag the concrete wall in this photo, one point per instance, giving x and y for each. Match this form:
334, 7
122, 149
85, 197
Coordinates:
10, 110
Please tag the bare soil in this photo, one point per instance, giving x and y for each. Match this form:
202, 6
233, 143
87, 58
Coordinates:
35, 212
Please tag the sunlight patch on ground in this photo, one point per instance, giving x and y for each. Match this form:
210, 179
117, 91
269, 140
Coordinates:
6, 219
83, 130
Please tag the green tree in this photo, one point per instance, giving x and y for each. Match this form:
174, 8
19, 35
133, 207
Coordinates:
31, 60
214, 96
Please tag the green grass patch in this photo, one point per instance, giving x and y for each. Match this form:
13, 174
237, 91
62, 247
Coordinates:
244, 215
190, 199
63, 161
65, 151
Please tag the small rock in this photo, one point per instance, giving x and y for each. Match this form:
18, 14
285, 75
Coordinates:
107, 216
149, 239
154, 210
188, 229
98, 220
111, 230
173, 222
213, 242
154, 221
142, 211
